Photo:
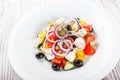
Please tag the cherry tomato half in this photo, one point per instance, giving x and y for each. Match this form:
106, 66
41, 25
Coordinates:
63, 62
88, 27
49, 44
65, 46
89, 50
59, 60
52, 37
56, 61
62, 59
90, 38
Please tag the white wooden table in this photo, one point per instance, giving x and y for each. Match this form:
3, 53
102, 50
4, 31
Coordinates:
10, 12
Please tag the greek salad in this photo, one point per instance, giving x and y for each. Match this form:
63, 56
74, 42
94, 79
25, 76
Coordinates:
66, 43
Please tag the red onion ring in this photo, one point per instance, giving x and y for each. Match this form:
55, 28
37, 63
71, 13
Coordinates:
47, 37
70, 43
61, 48
51, 31
55, 53
80, 26
53, 49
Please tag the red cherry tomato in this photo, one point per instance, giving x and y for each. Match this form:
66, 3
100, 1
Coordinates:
89, 50
62, 59
49, 44
68, 38
63, 62
88, 27
56, 61
65, 46
52, 37
90, 38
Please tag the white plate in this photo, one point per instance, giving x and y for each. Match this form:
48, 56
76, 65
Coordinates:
22, 55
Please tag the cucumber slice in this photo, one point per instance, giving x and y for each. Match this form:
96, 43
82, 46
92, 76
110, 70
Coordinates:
68, 66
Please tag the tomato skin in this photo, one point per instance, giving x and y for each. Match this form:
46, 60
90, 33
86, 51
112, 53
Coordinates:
63, 62
68, 38
88, 27
62, 59
52, 37
59, 60
56, 61
89, 50
90, 38
65, 46
49, 44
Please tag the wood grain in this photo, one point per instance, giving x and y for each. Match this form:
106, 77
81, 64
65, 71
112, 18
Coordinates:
10, 12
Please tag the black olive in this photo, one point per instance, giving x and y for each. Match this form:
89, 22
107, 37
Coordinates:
56, 67
68, 27
74, 46
39, 55
78, 63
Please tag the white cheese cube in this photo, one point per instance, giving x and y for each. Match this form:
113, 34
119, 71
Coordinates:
49, 55
70, 57
82, 32
80, 43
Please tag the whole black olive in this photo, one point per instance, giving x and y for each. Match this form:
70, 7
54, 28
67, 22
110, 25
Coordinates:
56, 67
39, 55
68, 27
78, 63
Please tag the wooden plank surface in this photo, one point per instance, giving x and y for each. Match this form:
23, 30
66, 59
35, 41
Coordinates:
10, 12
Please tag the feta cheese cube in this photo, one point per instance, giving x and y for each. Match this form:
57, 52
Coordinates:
80, 43
49, 55
82, 32
70, 57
